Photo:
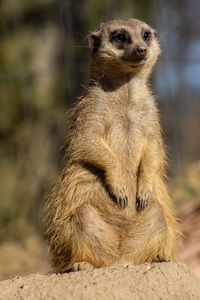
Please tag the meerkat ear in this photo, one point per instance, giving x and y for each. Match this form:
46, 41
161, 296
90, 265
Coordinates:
155, 34
94, 41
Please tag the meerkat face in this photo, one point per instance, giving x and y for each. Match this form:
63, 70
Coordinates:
124, 45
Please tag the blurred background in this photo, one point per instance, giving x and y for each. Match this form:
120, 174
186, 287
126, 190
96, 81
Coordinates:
43, 66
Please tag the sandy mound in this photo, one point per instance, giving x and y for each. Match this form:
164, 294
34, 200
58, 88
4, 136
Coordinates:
156, 281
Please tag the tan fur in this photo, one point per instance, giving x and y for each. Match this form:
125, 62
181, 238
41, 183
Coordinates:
114, 153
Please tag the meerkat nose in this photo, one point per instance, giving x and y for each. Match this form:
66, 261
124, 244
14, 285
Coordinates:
141, 51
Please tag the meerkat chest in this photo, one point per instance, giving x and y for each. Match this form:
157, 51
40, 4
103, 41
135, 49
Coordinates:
127, 130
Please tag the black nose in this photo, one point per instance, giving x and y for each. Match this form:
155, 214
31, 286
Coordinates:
141, 52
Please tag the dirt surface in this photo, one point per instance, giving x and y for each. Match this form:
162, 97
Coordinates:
148, 281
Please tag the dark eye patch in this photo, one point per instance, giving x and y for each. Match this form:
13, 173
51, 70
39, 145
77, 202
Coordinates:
147, 35
120, 36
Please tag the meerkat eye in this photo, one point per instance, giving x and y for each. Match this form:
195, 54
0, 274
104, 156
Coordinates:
120, 37
147, 35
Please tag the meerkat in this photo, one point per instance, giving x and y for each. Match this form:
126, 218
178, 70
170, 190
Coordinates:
110, 203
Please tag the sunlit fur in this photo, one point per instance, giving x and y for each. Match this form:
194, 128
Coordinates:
114, 149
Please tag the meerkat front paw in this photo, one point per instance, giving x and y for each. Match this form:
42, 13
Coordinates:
142, 203
120, 197
144, 196
117, 189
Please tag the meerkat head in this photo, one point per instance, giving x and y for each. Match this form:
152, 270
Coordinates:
125, 46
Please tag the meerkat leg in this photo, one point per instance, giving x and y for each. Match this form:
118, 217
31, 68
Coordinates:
151, 164
152, 237
99, 154
94, 242
83, 239
77, 232
89, 243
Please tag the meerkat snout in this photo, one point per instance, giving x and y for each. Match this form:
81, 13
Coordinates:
139, 53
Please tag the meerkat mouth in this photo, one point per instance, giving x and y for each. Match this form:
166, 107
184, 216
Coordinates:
135, 62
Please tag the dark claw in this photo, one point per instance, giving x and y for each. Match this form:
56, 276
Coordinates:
117, 197
160, 258
141, 204
122, 202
